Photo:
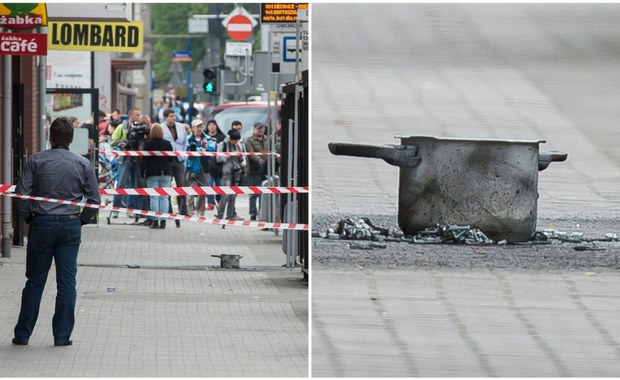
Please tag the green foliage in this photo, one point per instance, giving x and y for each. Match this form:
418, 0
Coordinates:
20, 8
171, 19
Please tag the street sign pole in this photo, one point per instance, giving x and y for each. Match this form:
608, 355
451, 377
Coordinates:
222, 86
239, 25
188, 97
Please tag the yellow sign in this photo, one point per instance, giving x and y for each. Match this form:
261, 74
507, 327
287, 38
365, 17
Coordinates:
22, 16
95, 36
280, 12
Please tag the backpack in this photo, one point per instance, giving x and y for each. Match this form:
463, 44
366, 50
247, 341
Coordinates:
193, 164
215, 168
198, 165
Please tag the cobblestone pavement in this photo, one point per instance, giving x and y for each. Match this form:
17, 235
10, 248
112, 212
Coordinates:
453, 323
154, 303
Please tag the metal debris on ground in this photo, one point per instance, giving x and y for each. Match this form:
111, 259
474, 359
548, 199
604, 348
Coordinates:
451, 234
589, 247
570, 237
367, 246
364, 229
539, 237
360, 229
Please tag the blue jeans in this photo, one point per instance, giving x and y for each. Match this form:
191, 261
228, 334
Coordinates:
128, 179
158, 204
213, 199
50, 237
119, 200
196, 203
254, 180
132, 182
227, 201
178, 172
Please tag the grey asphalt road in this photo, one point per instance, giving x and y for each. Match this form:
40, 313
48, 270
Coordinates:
509, 71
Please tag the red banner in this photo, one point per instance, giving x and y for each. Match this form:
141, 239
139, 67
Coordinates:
23, 44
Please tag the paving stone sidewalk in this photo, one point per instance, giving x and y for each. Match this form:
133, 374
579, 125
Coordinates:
155, 303
462, 323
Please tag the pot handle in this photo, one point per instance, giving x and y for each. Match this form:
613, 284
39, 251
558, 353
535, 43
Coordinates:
549, 156
397, 155
218, 256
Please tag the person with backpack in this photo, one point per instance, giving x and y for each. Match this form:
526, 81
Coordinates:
231, 168
258, 143
213, 179
236, 124
127, 167
197, 168
157, 172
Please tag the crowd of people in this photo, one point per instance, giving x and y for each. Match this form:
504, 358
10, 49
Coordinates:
137, 132
73, 175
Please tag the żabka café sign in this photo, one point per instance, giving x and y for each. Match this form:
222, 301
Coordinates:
16, 17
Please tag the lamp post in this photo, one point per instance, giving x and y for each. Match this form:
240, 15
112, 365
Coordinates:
188, 96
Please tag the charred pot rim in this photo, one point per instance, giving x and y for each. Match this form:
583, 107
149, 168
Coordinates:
405, 155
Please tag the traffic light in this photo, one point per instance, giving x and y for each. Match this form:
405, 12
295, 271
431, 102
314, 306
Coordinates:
210, 84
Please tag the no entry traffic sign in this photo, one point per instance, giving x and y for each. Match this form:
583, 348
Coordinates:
239, 27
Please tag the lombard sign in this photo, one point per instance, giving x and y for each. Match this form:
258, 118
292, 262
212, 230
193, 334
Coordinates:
96, 36
22, 16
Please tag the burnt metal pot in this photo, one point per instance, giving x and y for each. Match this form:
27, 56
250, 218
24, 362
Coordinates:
229, 261
490, 184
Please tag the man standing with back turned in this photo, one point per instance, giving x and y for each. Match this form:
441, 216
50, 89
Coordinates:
55, 231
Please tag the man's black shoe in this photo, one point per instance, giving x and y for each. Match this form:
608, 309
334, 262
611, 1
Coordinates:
63, 342
19, 342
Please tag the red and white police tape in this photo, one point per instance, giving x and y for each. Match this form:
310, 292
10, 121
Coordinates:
193, 190
206, 190
202, 219
145, 153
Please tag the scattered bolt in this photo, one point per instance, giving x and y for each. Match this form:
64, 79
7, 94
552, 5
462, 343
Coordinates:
589, 247
359, 246
378, 245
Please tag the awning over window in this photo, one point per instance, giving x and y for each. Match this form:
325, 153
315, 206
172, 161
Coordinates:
124, 64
